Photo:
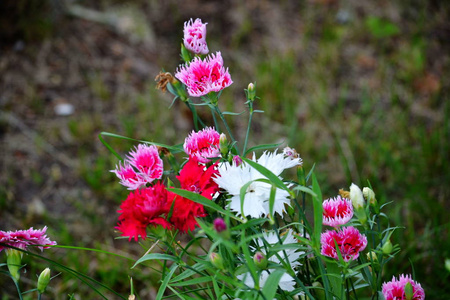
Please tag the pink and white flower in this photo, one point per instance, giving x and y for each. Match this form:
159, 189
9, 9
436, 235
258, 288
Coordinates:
140, 167
24, 238
204, 76
349, 241
337, 211
395, 289
203, 145
195, 36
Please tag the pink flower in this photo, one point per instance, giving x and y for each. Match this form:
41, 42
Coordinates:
204, 76
349, 241
142, 208
203, 145
128, 176
140, 167
337, 211
24, 238
195, 36
395, 289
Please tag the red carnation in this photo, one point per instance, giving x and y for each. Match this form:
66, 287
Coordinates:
193, 177
144, 207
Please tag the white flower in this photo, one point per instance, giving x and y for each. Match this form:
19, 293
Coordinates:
292, 255
256, 202
287, 282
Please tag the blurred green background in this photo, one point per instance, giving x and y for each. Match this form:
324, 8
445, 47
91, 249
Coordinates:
359, 88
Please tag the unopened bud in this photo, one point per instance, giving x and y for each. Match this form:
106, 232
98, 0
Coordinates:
237, 160
356, 196
223, 144
216, 260
219, 225
409, 293
387, 247
251, 93
43, 280
370, 197
260, 260
13, 260
372, 256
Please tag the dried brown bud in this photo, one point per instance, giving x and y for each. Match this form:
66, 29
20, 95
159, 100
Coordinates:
344, 194
163, 79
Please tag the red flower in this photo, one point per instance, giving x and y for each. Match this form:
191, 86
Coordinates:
142, 208
192, 178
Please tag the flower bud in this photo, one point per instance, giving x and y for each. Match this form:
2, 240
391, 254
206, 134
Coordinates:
409, 293
237, 160
372, 256
260, 260
219, 225
356, 196
370, 197
251, 93
387, 247
13, 260
43, 280
216, 260
223, 144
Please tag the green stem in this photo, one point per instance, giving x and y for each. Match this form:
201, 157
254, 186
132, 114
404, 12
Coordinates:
195, 116
222, 117
18, 289
216, 124
250, 108
39, 296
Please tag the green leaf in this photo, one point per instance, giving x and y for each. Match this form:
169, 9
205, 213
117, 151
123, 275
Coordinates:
232, 113
158, 256
304, 189
267, 173
195, 269
260, 147
163, 286
202, 200
173, 149
193, 281
271, 285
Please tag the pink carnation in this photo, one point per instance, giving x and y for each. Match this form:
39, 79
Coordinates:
203, 144
395, 289
349, 241
195, 36
204, 76
140, 167
24, 238
337, 211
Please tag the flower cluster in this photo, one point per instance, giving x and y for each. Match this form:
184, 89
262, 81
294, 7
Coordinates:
24, 238
260, 240
155, 204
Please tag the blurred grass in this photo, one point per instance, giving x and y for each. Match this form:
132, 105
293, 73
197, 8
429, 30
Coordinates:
358, 91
